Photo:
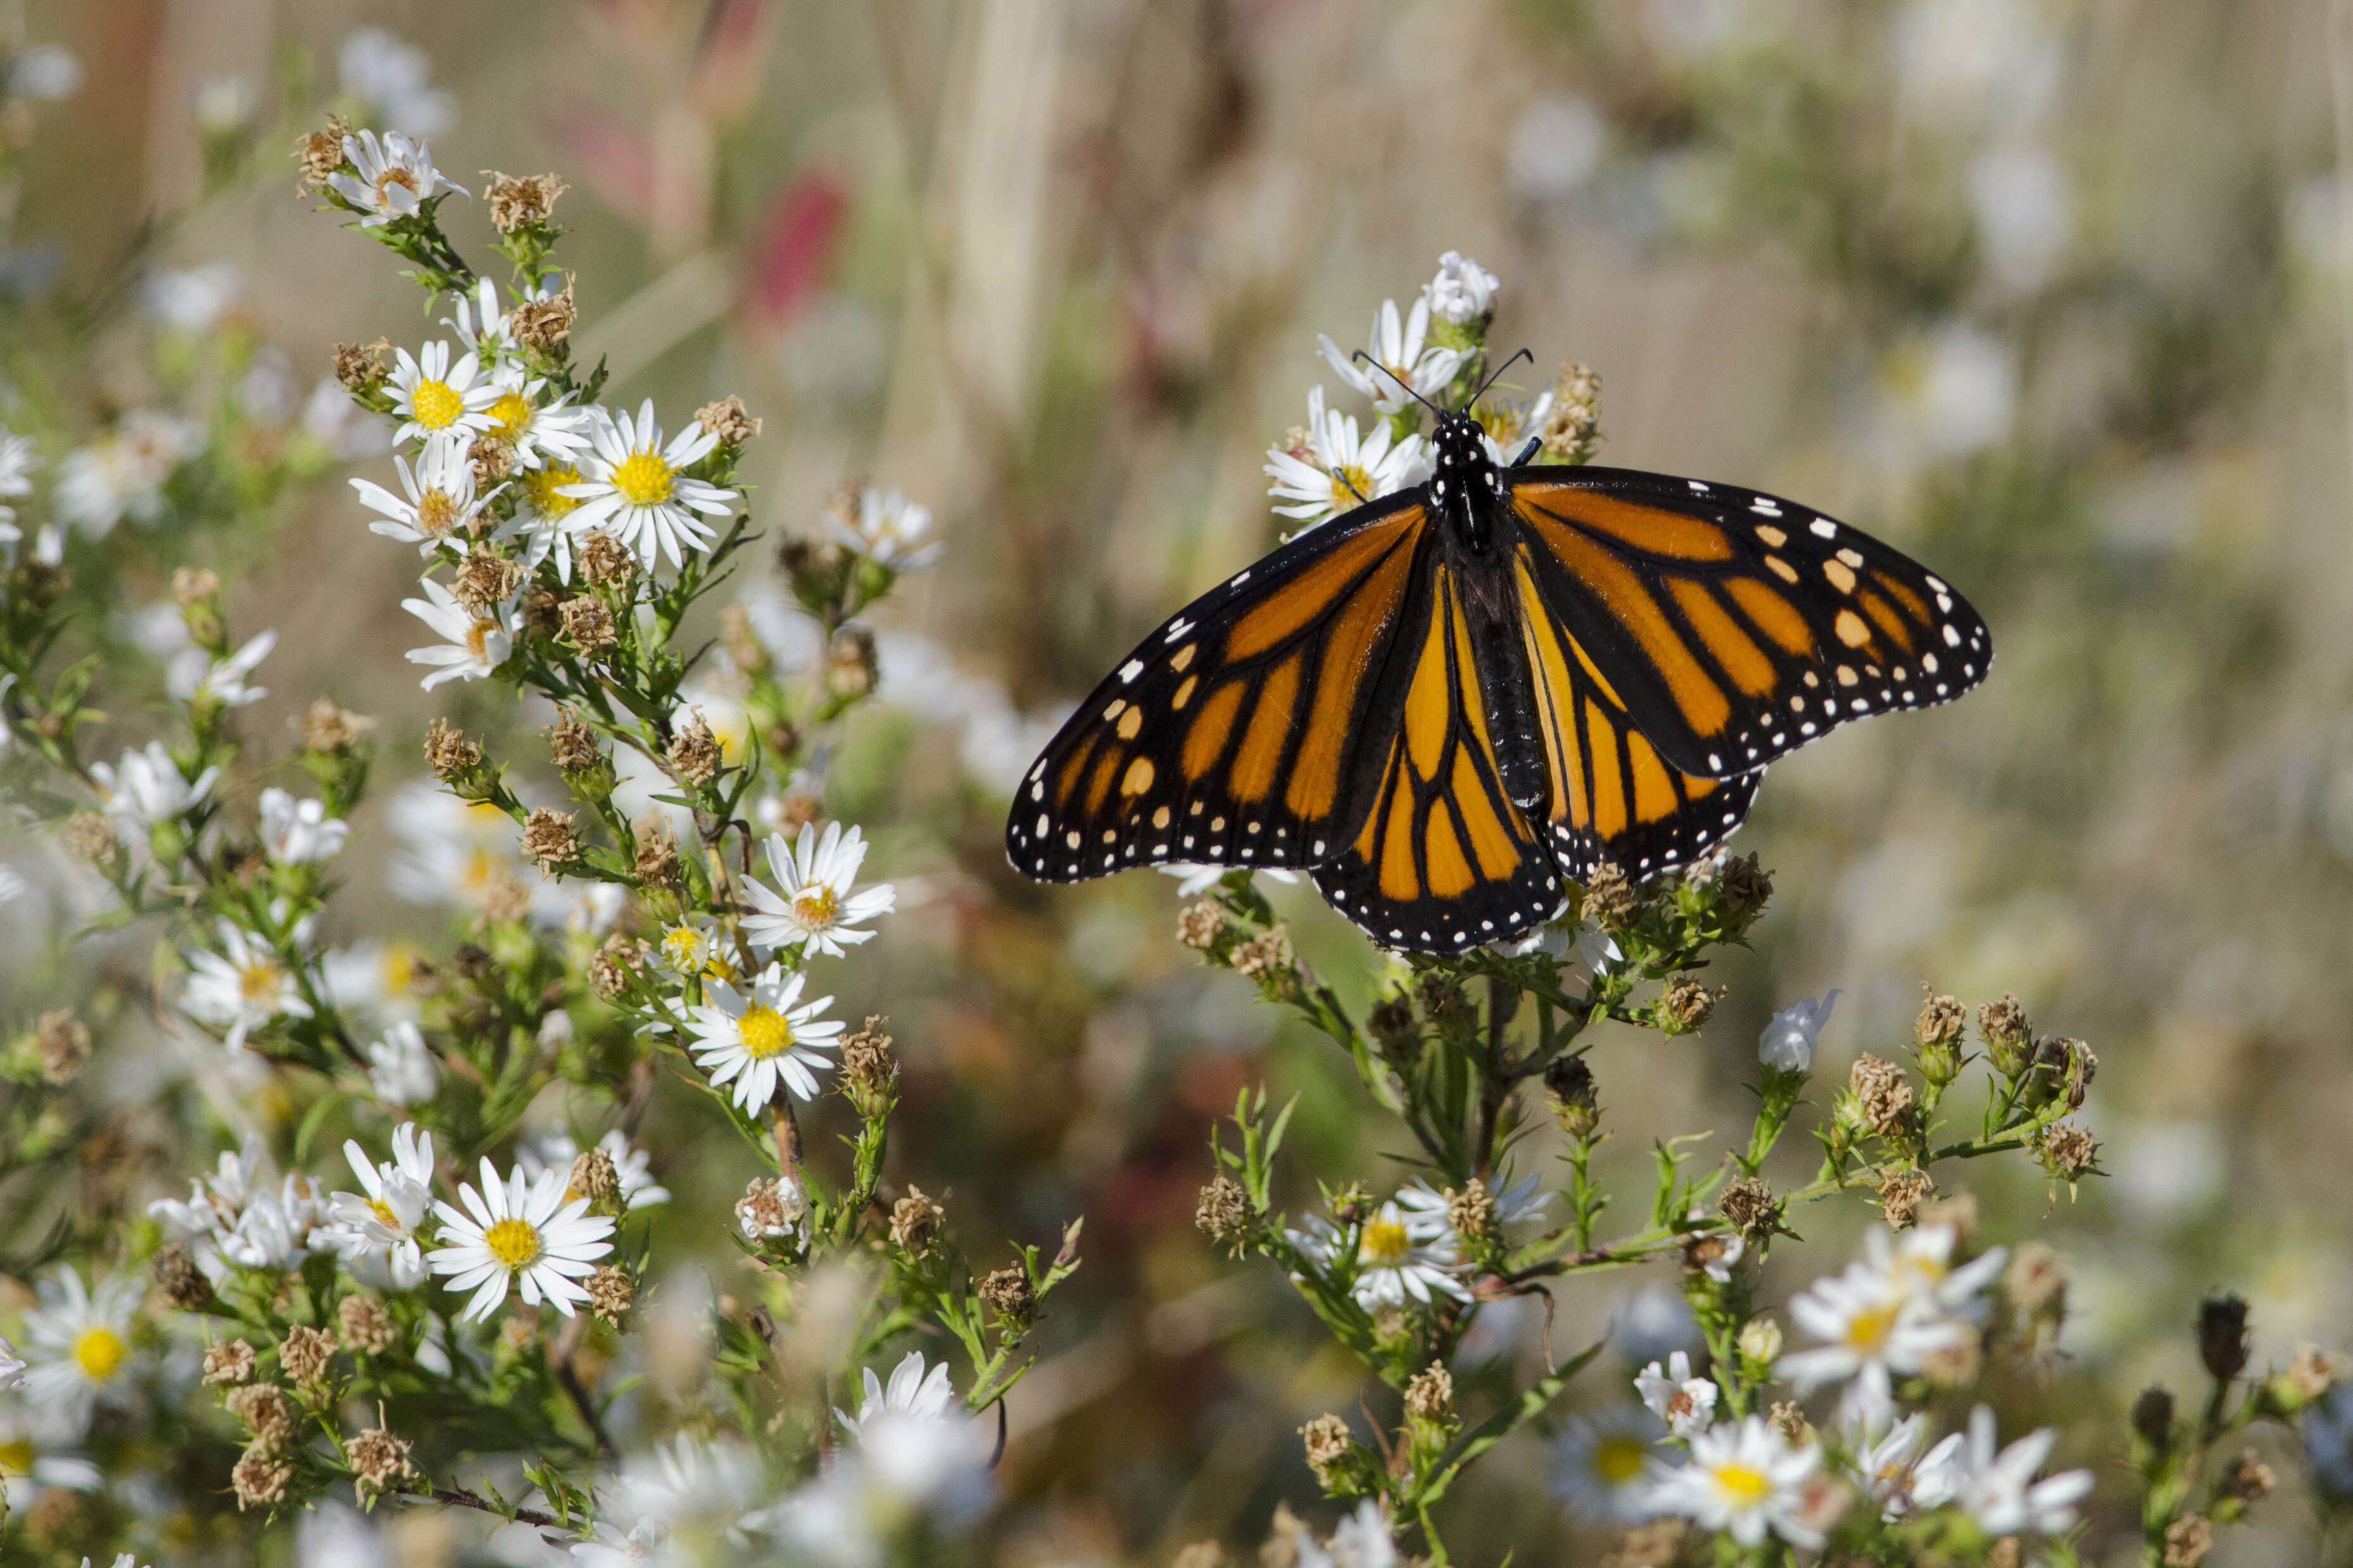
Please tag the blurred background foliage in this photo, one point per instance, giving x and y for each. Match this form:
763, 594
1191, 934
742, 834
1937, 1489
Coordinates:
2055, 294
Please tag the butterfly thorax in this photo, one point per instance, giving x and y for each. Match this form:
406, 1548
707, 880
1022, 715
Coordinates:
1465, 487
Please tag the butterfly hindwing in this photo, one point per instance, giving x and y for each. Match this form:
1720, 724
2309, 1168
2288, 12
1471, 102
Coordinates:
1732, 626
1440, 860
1227, 737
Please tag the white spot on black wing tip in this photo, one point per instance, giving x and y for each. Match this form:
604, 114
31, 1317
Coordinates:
1130, 670
1824, 528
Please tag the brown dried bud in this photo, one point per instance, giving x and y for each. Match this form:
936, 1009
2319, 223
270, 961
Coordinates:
2002, 1025
1430, 1397
615, 965
183, 1285
1329, 1448
727, 420
657, 862
1471, 1211
493, 462
1790, 1421
2311, 1374
1225, 1214
2152, 1417
331, 730
90, 835
473, 961
610, 1292
770, 1207
364, 1326
588, 625
1940, 1022
2247, 1479
193, 585
549, 838
869, 1074
321, 155
364, 367
2068, 1151
521, 200
694, 751
486, 579
448, 753
505, 900
2036, 1283
1392, 1027
2223, 1336
1750, 1205
304, 1353
605, 562
228, 1362
1901, 1193
1745, 888
592, 1177
1009, 1293
259, 1478
264, 1409
573, 744
850, 662
915, 1221
2186, 1542
1576, 1101
1200, 925
64, 1042
379, 1460
1884, 1094
543, 611
1267, 959
1572, 429
543, 324
1957, 1214
1608, 896
1686, 1005
1955, 1365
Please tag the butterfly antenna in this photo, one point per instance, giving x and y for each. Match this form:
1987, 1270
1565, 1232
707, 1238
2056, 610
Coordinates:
1498, 374
1401, 381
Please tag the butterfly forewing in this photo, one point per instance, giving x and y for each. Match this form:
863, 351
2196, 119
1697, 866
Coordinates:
1227, 737
1731, 627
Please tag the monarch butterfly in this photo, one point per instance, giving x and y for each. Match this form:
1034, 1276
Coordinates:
1445, 701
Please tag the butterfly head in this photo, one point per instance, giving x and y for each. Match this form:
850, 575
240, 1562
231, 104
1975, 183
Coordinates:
1465, 485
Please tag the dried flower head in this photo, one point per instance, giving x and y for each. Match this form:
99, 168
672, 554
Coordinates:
611, 972
2002, 1025
1748, 1204
694, 751
1572, 430
521, 200
1608, 896
657, 858
1883, 1094
194, 586
544, 324
1471, 1211
1687, 1005
182, 1284
850, 662
1200, 925
1940, 1022
1224, 1214
448, 753
321, 155
1661, 1543
266, 1412
1901, 1193
727, 420
64, 1043
605, 562
493, 463
332, 731
588, 625
259, 1478
915, 1221
869, 1076
2312, 1374
486, 579
1576, 1101
379, 1460
1329, 1449
1790, 1421
592, 1177
1430, 1397
549, 838
506, 901
573, 744
770, 1207
364, 367
2187, 1539
610, 1291
2068, 1151
364, 1326
1744, 888
304, 1352
1391, 1024
2247, 1479
228, 1362
90, 835
1009, 1293
2223, 1336
1267, 958
2036, 1283
1955, 1364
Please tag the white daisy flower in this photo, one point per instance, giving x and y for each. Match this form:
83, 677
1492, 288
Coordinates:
279, 1230
479, 323
1889, 1465
885, 528
1402, 360
541, 519
1998, 1489
692, 947
1686, 1403
18, 461
433, 395
122, 473
1788, 1041
1920, 1260
78, 1342
479, 640
441, 502
636, 492
372, 978
1401, 1256
1601, 1465
1885, 1315
1462, 291
1744, 1480
691, 1501
754, 1041
37, 1454
377, 1232
300, 832
220, 682
1339, 469
11, 1366
214, 1205
514, 1234
912, 1391
538, 429
1192, 878
1519, 1201
396, 176
147, 788
242, 987
401, 1067
818, 910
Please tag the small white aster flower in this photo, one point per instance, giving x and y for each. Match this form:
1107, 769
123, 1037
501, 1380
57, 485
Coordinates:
433, 395
1340, 470
1788, 1041
279, 1230
192, 298
542, 520
147, 787
1686, 1403
18, 461
241, 987
692, 947
37, 1455
1600, 1465
538, 428
1998, 1489
1508, 427
510, 1233
761, 1220
300, 832
377, 1231
11, 1366
478, 640
77, 1343
636, 491
1883, 1317
632, 1166
755, 1041
912, 1391
396, 176
395, 78
195, 678
1462, 291
1888, 1464
441, 501
1401, 1256
1399, 359
886, 528
1363, 1539
1745, 1479
1192, 878
401, 1066
122, 473
479, 323
691, 1501
1431, 1210
818, 909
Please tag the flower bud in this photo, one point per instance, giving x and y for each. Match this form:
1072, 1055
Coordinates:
1574, 1102
2223, 1336
1761, 1343
2152, 1417
1788, 1042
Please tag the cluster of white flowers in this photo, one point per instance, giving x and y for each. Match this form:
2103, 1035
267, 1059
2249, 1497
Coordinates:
1408, 1250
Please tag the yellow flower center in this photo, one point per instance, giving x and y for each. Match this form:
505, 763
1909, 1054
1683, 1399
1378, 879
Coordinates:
684, 947
17, 1456
544, 487
260, 980
99, 1350
1617, 1460
1745, 1485
816, 907
1352, 486
478, 638
383, 1212
1385, 1244
399, 970
511, 413
1867, 1331
763, 1031
436, 405
437, 512
512, 1243
645, 480
389, 178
